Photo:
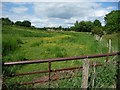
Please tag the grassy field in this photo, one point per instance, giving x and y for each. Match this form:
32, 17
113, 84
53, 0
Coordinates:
20, 43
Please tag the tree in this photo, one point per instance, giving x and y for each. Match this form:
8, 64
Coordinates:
72, 28
112, 20
60, 27
85, 26
6, 21
26, 23
97, 23
19, 23
76, 26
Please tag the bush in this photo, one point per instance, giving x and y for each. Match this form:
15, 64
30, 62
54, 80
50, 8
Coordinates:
98, 31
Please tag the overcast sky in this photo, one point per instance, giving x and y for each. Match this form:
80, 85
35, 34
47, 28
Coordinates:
54, 14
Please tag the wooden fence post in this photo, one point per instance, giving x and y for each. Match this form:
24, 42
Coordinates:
110, 45
0, 82
85, 74
94, 75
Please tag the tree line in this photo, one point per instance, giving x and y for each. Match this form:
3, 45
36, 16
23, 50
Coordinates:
7, 21
112, 21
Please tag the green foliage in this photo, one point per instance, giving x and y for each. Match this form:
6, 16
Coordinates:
6, 21
73, 28
19, 23
57, 51
98, 31
83, 26
76, 26
60, 27
97, 23
112, 21
115, 40
25, 23
104, 76
9, 43
36, 44
21, 31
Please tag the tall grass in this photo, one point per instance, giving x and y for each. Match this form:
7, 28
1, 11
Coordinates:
23, 32
10, 43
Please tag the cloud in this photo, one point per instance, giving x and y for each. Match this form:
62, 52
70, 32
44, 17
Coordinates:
0, 9
60, 0
101, 13
21, 3
68, 13
57, 13
110, 8
19, 10
71, 20
0, 6
64, 10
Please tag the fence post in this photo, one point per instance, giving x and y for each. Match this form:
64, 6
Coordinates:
107, 58
110, 45
0, 82
85, 74
49, 67
94, 75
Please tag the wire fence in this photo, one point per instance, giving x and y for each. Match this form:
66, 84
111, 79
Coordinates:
96, 71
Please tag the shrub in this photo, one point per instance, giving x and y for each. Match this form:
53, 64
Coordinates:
98, 31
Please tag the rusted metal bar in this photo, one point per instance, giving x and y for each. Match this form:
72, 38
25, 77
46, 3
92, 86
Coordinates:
34, 82
46, 71
29, 73
47, 80
55, 70
59, 59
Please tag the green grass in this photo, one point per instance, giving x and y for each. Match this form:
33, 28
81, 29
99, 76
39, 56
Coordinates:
38, 44
10, 43
115, 40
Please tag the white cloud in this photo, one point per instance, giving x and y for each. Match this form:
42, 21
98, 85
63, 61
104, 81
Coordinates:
62, 13
71, 20
70, 12
101, 13
110, 8
52, 25
19, 10
64, 10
